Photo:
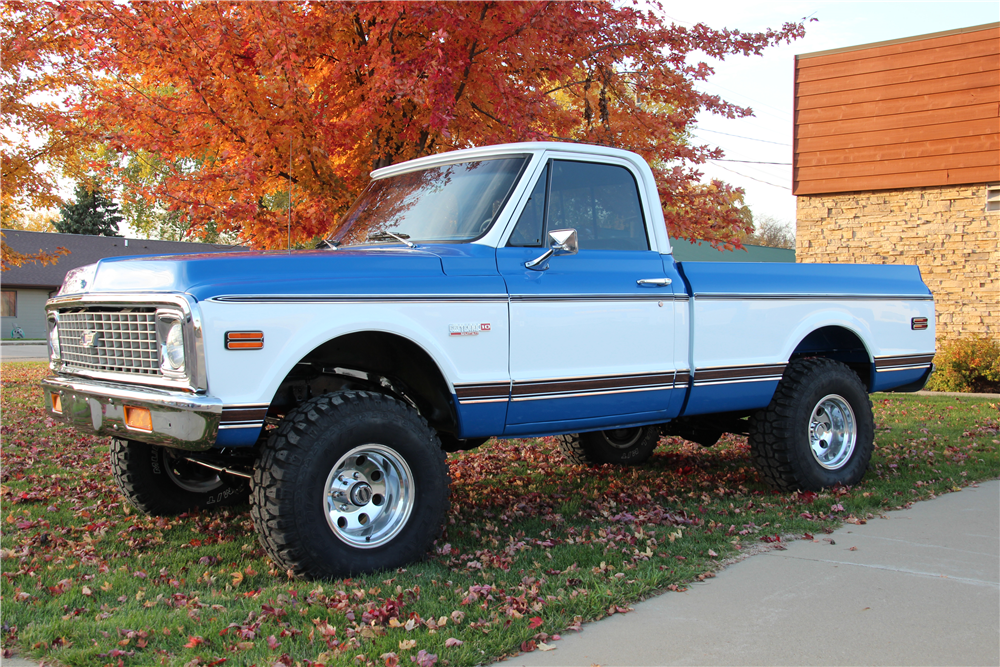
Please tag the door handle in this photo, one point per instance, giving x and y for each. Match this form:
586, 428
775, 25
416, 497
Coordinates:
656, 282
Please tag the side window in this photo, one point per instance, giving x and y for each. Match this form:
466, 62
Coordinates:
528, 230
600, 201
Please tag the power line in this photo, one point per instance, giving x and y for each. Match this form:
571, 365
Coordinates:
786, 164
738, 136
783, 187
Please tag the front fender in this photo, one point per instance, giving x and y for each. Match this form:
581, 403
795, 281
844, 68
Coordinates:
293, 329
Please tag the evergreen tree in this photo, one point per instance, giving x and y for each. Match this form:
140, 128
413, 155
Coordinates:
92, 213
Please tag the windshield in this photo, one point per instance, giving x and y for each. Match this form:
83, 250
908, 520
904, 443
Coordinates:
454, 202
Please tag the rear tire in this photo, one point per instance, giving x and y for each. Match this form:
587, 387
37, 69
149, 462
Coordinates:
623, 446
159, 482
351, 482
818, 431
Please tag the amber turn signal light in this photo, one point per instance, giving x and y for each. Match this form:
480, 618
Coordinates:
138, 419
56, 403
244, 340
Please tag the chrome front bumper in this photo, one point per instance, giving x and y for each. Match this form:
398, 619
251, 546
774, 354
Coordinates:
179, 419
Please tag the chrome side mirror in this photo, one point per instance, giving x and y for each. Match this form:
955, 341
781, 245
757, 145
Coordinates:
562, 242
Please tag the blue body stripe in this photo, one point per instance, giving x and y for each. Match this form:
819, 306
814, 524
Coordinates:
480, 420
608, 409
734, 397
237, 437
888, 380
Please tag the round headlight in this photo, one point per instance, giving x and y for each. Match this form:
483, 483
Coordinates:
53, 339
173, 347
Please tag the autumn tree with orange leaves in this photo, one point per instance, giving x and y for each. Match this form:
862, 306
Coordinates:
243, 102
38, 64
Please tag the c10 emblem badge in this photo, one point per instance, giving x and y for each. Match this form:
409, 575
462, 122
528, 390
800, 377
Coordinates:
468, 329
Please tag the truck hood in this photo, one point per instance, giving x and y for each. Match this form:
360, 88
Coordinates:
373, 270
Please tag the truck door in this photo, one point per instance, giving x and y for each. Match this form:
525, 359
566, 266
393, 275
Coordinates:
591, 334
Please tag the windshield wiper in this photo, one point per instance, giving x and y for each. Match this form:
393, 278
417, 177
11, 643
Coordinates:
332, 245
389, 236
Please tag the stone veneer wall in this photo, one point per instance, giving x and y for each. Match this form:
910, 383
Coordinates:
946, 231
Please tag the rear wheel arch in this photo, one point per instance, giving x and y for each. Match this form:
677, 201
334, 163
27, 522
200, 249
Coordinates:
840, 344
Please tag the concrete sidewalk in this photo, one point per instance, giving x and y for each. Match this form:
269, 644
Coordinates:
24, 350
921, 588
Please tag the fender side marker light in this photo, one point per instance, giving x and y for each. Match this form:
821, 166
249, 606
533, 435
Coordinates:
244, 340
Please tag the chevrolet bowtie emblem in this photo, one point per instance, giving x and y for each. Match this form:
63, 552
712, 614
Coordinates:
90, 338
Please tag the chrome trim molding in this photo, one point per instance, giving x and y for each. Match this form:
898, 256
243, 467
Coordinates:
903, 368
710, 296
655, 296
716, 383
584, 394
569, 387
359, 298
242, 416
490, 392
180, 419
714, 375
904, 360
434, 298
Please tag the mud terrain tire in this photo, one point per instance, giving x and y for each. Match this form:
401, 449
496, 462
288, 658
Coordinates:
818, 430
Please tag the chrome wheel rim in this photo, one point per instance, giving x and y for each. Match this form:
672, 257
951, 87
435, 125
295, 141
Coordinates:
623, 438
369, 496
190, 476
833, 432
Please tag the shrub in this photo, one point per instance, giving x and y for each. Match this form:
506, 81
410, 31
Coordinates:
970, 364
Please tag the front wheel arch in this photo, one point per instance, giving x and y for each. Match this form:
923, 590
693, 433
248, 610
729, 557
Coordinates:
394, 365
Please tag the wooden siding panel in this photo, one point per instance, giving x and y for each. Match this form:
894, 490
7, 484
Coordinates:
988, 63
807, 71
989, 81
917, 119
922, 149
909, 105
851, 55
899, 181
907, 165
899, 137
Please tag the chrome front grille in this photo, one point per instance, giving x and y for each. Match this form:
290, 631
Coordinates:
116, 340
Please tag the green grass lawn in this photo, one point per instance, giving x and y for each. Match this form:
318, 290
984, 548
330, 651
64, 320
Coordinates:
532, 548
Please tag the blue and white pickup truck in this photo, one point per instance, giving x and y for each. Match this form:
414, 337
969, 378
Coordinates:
508, 291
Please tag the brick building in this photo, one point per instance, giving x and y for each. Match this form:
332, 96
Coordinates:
897, 161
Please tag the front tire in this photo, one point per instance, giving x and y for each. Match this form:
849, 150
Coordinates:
818, 431
159, 481
351, 482
623, 446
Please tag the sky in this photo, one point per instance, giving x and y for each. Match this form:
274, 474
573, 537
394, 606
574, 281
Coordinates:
765, 83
